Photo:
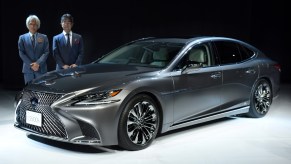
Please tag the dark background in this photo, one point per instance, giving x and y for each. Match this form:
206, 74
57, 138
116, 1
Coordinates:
107, 25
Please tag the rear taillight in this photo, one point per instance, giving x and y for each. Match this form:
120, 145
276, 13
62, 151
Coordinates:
278, 67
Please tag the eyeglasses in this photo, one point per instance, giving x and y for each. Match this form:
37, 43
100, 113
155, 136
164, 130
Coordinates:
32, 24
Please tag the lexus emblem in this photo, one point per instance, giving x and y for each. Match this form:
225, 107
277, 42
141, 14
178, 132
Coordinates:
34, 102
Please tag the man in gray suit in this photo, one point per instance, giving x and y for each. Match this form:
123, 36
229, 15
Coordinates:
33, 50
68, 48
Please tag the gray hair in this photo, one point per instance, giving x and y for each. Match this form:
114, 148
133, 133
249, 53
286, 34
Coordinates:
33, 17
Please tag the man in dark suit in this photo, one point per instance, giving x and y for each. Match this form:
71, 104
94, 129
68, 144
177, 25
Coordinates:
33, 50
68, 48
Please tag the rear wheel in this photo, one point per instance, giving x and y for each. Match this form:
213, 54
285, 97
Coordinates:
139, 123
261, 99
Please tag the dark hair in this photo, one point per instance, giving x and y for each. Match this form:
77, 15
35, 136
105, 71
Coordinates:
68, 17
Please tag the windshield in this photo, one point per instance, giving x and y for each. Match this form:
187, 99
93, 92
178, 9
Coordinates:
149, 54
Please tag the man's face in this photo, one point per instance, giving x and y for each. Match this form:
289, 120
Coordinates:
67, 25
32, 26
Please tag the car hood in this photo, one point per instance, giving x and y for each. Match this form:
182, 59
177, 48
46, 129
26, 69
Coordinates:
88, 76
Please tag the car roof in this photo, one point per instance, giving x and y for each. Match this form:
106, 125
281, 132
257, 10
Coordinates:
185, 40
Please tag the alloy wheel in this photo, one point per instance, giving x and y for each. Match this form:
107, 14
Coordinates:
142, 122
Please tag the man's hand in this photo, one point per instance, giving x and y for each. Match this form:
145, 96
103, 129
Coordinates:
34, 66
66, 66
73, 65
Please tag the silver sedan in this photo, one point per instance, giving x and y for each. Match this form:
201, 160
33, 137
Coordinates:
146, 87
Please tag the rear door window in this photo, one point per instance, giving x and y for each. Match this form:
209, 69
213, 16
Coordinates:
228, 52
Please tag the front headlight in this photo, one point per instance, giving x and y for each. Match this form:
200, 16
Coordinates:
95, 98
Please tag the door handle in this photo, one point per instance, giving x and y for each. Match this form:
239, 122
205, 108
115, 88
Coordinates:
216, 75
250, 71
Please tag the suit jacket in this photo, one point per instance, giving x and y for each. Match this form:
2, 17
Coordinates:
67, 55
30, 54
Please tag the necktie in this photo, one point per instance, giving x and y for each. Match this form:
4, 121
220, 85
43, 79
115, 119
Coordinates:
68, 39
33, 40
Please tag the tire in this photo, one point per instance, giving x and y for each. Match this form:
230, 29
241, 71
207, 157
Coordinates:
139, 123
261, 99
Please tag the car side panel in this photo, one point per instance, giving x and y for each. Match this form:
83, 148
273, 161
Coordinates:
197, 93
238, 80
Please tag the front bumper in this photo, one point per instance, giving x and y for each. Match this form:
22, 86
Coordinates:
87, 126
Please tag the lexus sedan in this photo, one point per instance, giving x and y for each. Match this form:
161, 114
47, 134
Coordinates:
148, 87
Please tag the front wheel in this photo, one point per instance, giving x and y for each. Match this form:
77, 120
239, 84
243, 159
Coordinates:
261, 99
139, 123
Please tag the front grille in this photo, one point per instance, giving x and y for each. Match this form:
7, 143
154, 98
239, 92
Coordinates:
51, 124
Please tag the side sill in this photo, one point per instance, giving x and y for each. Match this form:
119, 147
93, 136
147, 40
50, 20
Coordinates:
209, 118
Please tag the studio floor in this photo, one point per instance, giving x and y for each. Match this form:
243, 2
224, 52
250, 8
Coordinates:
231, 140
